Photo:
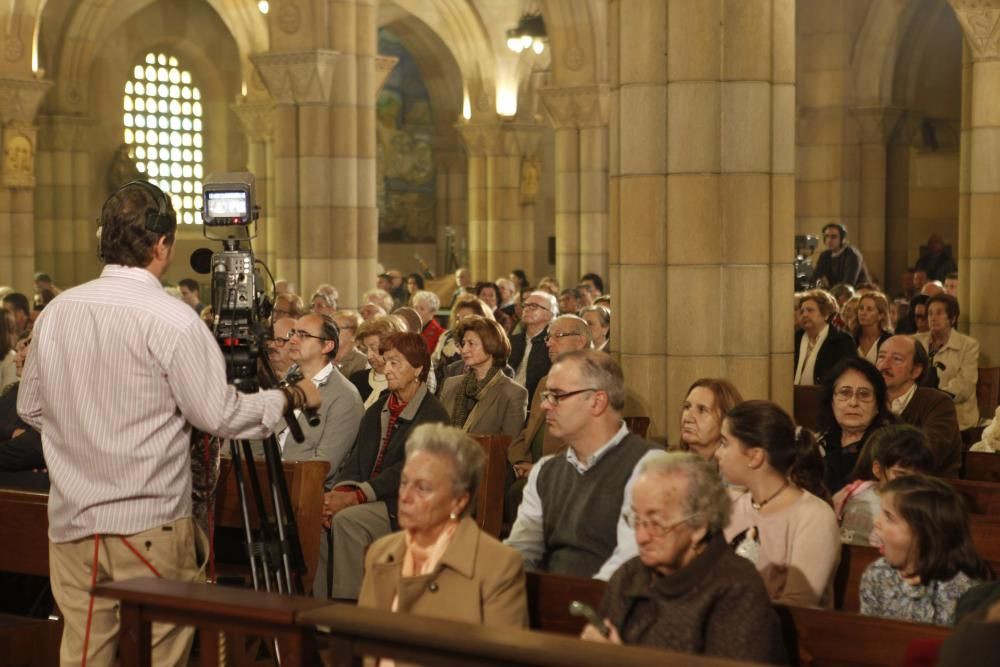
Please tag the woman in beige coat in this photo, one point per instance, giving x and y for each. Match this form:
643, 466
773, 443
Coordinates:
483, 399
441, 565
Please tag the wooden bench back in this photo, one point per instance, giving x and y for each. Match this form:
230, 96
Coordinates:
805, 406
24, 523
981, 467
489, 498
988, 391
637, 425
980, 497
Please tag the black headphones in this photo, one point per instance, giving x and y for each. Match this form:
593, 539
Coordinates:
840, 227
160, 220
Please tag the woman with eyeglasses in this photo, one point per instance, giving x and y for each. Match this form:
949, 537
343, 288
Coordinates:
371, 382
782, 522
686, 590
483, 399
854, 403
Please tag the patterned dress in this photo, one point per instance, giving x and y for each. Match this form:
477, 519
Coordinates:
885, 593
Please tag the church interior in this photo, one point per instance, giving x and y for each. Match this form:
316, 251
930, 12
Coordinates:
677, 148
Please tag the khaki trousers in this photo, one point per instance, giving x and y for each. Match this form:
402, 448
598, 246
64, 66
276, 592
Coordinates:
170, 549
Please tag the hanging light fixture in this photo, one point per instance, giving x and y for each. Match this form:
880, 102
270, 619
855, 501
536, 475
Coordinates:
529, 34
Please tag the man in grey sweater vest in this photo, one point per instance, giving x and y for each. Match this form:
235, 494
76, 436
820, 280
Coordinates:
570, 519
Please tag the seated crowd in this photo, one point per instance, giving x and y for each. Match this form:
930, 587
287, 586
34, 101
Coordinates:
697, 544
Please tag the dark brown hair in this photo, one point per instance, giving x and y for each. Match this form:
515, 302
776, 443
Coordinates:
495, 341
939, 522
950, 306
124, 237
412, 347
790, 451
892, 445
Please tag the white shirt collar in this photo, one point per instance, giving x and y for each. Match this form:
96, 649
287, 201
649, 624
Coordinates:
584, 466
898, 405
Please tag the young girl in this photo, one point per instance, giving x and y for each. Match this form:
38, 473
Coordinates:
928, 560
781, 522
891, 452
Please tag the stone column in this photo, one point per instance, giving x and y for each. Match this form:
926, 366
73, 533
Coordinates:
451, 209
874, 126
580, 117
980, 20
477, 136
19, 100
65, 211
257, 119
964, 182
702, 198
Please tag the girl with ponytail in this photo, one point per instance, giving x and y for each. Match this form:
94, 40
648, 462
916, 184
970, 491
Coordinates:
782, 522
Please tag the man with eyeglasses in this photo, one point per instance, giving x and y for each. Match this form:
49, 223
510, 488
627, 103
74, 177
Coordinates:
277, 347
903, 360
349, 359
528, 355
571, 521
566, 334
840, 262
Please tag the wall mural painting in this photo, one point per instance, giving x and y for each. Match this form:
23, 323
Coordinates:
405, 159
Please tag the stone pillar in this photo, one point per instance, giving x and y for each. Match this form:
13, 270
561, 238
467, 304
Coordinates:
981, 143
65, 215
451, 209
580, 117
258, 124
964, 184
500, 231
874, 126
19, 100
702, 198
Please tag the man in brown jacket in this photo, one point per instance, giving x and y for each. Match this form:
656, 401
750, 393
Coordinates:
566, 334
902, 360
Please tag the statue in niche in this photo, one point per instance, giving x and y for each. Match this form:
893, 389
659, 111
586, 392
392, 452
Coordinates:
122, 169
529, 180
18, 160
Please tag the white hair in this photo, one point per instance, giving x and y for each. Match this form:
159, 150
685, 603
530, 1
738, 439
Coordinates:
423, 296
550, 298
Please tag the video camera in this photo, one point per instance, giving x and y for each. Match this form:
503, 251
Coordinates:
239, 302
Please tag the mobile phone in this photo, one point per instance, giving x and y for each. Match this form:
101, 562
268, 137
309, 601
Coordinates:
577, 608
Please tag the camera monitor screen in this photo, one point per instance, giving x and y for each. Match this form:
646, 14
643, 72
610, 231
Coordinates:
224, 207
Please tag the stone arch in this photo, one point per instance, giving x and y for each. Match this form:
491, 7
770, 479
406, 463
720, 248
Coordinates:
579, 44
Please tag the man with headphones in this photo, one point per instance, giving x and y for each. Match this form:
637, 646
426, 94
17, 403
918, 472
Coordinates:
120, 373
840, 262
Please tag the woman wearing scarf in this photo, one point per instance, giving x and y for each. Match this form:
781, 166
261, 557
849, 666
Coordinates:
483, 399
362, 506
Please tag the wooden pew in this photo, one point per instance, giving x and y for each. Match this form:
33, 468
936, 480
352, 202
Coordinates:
489, 498
638, 425
355, 632
805, 406
988, 391
819, 637
24, 523
981, 467
980, 497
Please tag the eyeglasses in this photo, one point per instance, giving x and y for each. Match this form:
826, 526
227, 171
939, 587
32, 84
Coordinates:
304, 334
554, 397
654, 527
549, 337
863, 394
532, 304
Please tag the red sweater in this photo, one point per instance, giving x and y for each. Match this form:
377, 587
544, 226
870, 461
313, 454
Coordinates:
432, 331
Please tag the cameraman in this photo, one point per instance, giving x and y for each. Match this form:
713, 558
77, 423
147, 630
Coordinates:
120, 373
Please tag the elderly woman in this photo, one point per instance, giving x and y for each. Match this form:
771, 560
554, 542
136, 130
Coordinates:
782, 522
707, 402
362, 506
818, 344
954, 358
441, 565
854, 403
426, 304
371, 382
871, 326
599, 319
687, 591
483, 399
349, 359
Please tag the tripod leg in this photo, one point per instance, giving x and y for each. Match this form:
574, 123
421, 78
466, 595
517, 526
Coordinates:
267, 539
245, 513
293, 562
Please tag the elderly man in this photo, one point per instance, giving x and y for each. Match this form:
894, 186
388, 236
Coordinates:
313, 346
528, 355
902, 360
349, 359
277, 347
571, 519
818, 346
571, 301
566, 334
287, 304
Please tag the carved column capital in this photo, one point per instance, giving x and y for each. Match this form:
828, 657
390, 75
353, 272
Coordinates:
481, 139
576, 106
257, 120
875, 124
302, 77
20, 99
980, 21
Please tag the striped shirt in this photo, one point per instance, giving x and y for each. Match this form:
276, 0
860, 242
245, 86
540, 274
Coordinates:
118, 372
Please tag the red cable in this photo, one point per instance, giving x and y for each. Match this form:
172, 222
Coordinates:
139, 556
90, 607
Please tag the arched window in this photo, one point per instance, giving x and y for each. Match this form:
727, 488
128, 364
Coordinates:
162, 110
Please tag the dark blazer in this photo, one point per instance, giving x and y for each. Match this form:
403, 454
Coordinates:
849, 267
933, 411
360, 382
520, 449
836, 346
21, 452
538, 361
357, 468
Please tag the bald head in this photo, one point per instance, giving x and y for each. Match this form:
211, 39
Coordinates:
901, 361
